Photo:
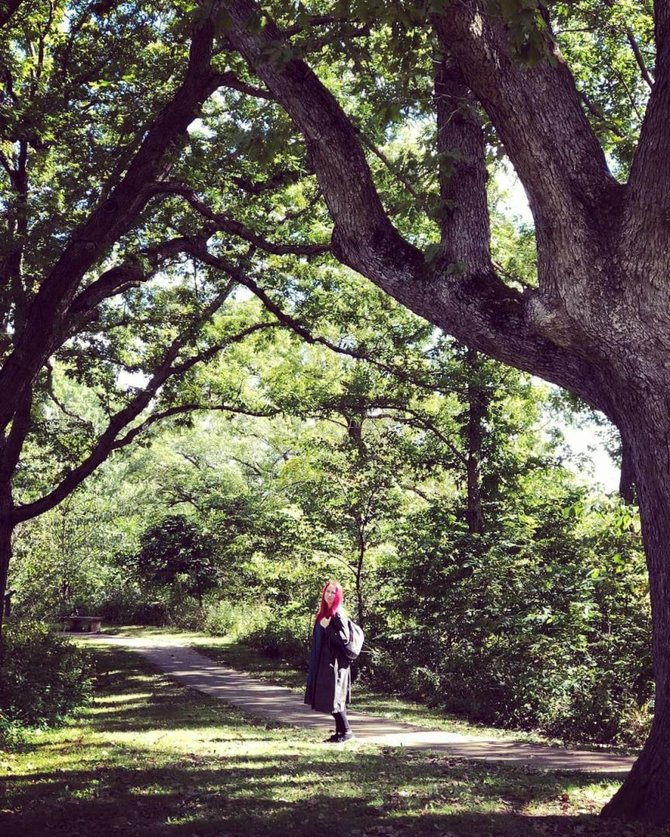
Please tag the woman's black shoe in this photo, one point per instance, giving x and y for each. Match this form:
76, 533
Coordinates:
339, 737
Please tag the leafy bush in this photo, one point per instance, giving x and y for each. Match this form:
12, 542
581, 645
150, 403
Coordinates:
12, 733
43, 676
170, 605
284, 637
145, 613
540, 623
236, 620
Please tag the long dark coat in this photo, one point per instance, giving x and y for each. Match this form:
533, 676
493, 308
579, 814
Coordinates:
329, 676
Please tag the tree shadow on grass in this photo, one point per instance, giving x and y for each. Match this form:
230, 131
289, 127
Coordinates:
137, 697
248, 659
373, 794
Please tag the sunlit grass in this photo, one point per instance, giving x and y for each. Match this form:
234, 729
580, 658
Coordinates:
151, 758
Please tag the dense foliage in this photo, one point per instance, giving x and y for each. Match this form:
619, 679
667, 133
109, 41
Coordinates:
541, 622
43, 676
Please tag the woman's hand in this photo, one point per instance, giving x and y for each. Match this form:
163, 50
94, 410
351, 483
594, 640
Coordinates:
325, 622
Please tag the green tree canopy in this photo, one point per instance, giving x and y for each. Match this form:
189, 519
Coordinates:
152, 156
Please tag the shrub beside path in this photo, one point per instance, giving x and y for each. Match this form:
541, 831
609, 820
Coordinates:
277, 703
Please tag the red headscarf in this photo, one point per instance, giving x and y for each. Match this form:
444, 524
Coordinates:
324, 610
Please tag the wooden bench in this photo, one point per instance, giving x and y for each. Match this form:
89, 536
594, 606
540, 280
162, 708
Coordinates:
88, 624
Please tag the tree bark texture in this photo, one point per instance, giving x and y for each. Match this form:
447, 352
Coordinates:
645, 794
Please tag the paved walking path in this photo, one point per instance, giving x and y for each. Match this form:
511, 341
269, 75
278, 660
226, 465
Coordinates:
257, 697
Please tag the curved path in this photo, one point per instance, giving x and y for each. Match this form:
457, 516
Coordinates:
192, 669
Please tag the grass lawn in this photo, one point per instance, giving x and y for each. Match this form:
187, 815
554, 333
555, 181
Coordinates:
150, 758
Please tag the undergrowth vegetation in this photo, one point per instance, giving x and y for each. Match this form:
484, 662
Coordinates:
43, 678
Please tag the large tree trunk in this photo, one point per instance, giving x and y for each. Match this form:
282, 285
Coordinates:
645, 794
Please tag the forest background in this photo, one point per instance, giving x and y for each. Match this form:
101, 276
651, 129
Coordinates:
493, 576
172, 279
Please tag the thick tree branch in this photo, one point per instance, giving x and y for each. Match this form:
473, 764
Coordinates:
121, 277
553, 149
11, 446
111, 440
108, 221
462, 175
477, 309
649, 181
333, 147
229, 79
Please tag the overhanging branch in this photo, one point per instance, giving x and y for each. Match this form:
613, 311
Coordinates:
111, 219
299, 328
128, 274
476, 308
184, 409
111, 440
224, 223
229, 79
553, 148
462, 170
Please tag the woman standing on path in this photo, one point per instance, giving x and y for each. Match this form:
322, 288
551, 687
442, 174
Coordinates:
329, 677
